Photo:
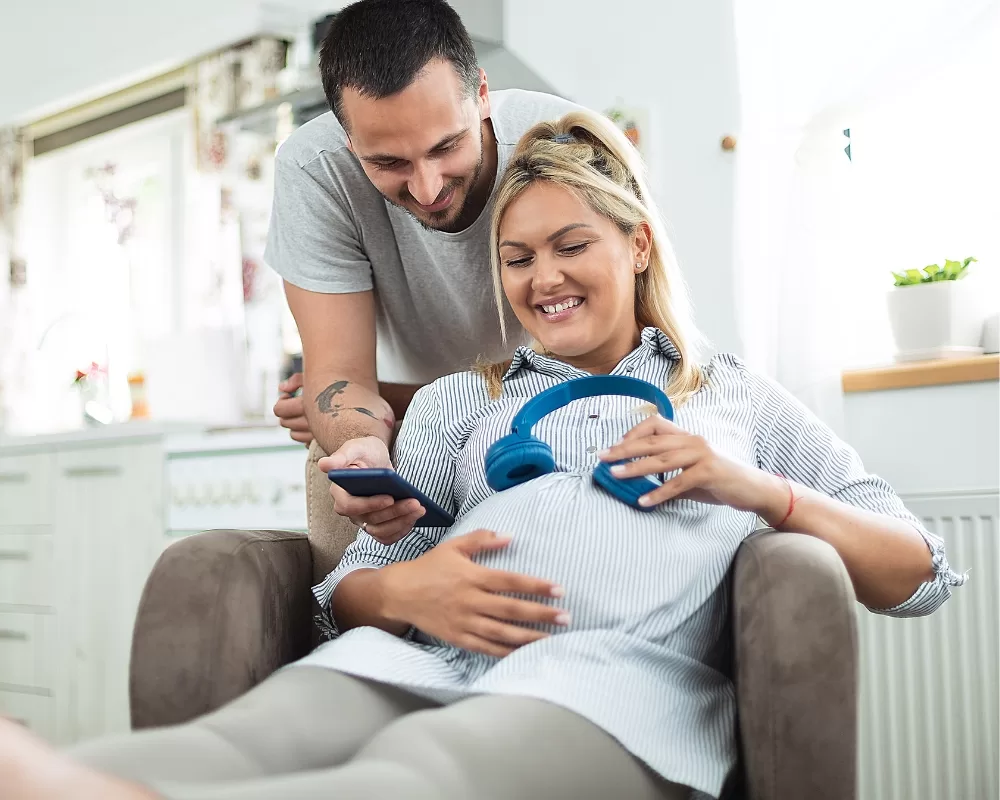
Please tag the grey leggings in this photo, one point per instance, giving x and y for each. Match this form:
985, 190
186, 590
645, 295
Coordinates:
308, 733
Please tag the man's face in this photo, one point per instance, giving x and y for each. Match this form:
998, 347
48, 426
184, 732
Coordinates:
423, 147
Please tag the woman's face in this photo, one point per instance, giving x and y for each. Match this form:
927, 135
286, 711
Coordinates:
569, 275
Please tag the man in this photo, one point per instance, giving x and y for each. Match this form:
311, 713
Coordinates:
380, 224
380, 228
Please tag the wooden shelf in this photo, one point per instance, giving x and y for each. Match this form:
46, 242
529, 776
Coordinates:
923, 373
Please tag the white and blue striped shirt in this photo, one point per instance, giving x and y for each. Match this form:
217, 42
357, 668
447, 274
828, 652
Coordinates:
645, 654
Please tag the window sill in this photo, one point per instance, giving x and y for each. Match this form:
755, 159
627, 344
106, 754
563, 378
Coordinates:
923, 373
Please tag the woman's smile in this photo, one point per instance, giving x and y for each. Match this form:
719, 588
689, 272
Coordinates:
560, 308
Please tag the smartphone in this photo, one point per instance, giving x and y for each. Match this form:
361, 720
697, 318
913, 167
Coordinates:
373, 482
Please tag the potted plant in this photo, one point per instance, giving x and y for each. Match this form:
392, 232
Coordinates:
935, 312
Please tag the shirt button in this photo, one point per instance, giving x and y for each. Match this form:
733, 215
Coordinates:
593, 416
592, 449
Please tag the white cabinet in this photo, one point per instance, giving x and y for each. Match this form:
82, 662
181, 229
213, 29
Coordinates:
26, 649
26, 567
80, 528
25, 499
82, 522
108, 521
27, 621
33, 710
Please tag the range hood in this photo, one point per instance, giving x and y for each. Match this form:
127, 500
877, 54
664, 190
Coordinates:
484, 20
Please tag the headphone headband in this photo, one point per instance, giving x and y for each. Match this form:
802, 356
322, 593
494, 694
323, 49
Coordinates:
592, 386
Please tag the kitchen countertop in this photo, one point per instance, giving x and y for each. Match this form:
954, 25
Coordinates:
179, 437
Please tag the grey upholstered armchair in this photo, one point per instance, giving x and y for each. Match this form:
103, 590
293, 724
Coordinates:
223, 609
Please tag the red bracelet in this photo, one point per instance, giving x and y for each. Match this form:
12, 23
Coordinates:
792, 500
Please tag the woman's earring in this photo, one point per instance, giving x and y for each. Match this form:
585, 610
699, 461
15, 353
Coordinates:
638, 266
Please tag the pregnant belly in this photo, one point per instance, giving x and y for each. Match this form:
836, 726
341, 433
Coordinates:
621, 568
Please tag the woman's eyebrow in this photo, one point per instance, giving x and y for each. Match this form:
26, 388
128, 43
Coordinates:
566, 229
550, 237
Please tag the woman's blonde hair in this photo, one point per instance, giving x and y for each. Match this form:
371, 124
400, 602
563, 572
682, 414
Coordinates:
591, 157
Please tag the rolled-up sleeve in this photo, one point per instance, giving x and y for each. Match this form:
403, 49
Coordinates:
424, 458
793, 442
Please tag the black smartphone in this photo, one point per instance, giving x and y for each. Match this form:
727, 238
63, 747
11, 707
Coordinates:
374, 482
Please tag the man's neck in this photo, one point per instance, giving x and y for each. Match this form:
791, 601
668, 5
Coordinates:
480, 194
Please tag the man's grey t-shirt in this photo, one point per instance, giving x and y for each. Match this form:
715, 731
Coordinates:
332, 232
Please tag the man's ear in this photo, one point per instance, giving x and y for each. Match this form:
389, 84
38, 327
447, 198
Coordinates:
350, 145
483, 96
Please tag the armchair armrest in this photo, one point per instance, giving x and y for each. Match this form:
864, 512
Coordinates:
796, 668
219, 613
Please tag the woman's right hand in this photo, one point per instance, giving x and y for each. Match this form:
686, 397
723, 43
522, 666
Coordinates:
382, 517
446, 594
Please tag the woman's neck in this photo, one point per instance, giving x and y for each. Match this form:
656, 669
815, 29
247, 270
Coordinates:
604, 359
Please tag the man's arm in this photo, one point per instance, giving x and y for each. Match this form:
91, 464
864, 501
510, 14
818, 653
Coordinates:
340, 393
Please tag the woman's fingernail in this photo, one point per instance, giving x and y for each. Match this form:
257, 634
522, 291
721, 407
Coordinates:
562, 619
557, 591
603, 454
618, 469
503, 535
645, 500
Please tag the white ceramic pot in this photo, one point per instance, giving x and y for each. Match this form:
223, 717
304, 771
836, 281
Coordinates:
943, 319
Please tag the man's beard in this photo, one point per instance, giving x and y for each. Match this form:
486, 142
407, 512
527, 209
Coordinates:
438, 219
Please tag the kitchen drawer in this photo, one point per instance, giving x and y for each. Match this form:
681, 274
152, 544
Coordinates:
26, 649
26, 570
35, 712
25, 484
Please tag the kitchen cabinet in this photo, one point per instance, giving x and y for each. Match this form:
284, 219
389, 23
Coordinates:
83, 518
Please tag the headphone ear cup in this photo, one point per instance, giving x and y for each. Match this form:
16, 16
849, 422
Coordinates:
513, 460
628, 490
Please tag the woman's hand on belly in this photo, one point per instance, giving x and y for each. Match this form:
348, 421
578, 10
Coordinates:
660, 446
446, 594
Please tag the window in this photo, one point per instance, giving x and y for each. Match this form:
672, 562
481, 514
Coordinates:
925, 178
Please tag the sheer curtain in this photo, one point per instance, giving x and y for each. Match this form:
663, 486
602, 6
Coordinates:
808, 71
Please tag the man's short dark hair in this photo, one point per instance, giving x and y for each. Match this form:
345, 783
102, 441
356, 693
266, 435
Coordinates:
378, 47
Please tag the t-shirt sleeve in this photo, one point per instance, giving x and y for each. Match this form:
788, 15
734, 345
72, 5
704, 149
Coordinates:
312, 240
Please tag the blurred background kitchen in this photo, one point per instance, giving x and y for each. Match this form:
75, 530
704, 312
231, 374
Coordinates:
802, 152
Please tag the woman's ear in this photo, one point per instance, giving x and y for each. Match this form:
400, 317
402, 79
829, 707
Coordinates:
642, 245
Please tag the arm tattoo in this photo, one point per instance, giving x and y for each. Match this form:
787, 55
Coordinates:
326, 400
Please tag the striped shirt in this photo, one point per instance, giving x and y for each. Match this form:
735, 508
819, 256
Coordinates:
645, 654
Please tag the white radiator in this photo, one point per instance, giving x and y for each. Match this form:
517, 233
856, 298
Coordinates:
929, 686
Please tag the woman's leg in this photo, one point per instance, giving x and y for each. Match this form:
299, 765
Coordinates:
488, 748
301, 718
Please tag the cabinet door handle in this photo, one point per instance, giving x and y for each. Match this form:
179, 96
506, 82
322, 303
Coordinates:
15, 555
16, 636
13, 477
91, 472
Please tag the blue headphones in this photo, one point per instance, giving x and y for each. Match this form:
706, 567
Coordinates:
519, 456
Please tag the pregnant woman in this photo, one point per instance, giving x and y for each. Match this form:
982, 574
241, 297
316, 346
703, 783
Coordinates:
613, 681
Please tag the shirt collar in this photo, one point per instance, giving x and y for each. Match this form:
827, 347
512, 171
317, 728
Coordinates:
653, 341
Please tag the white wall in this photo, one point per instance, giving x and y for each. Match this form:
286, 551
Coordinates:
678, 58
929, 439
54, 53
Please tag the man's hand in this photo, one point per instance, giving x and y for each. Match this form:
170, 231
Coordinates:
446, 594
382, 517
291, 410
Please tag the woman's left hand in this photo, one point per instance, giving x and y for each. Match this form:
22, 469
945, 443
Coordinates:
660, 446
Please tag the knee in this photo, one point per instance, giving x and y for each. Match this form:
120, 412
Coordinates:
430, 749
